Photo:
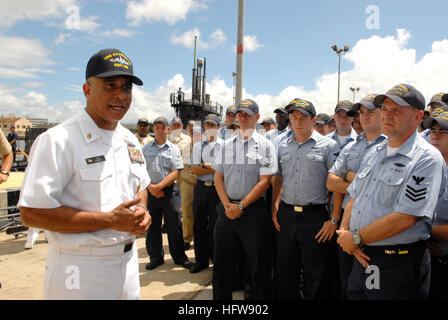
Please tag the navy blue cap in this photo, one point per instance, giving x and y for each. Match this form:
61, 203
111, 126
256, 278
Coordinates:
232, 125
437, 98
322, 118
304, 106
161, 120
368, 102
176, 120
281, 109
110, 63
143, 120
346, 106
268, 120
404, 95
249, 106
212, 118
439, 116
231, 109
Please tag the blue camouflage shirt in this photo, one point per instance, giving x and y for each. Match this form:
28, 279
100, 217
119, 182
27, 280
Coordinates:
242, 162
333, 135
407, 182
304, 168
351, 157
205, 152
161, 161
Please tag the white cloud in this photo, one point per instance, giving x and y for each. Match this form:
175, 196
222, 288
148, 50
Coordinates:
23, 58
74, 87
22, 52
13, 11
118, 32
378, 63
169, 11
88, 24
33, 84
216, 39
250, 44
62, 38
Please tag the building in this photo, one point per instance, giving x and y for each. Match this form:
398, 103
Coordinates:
20, 123
38, 122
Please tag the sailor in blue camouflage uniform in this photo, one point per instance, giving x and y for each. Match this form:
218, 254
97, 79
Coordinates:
343, 116
391, 212
281, 116
435, 103
438, 243
205, 197
243, 171
347, 165
301, 217
164, 163
225, 132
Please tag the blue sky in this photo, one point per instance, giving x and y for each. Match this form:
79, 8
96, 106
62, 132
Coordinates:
42, 61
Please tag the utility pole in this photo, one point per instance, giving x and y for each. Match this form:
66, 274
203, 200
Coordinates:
239, 54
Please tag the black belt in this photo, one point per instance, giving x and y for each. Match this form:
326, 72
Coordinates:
128, 247
302, 208
207, 184
397, 249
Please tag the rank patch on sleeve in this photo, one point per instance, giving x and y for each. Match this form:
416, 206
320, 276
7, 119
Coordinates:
415, 194
135, 155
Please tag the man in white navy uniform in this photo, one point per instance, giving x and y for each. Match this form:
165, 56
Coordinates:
86, 186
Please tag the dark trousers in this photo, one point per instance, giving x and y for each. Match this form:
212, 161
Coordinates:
404, 276
438, 289
205, 201
250, 234
345, 267
14, 148
295, 243
169, 208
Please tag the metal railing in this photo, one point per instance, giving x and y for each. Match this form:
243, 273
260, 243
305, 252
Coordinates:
207, 105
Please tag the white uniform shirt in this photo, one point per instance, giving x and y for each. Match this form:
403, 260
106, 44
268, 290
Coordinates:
78, 165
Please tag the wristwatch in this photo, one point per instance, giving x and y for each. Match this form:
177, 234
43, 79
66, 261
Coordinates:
356, 238
334, 220
240, 206
5, 172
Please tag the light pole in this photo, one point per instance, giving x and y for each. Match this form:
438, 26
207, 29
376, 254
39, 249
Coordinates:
234, 86
239, 54
339, 51
354, 90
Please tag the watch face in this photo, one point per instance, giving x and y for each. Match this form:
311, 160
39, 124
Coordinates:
356, 239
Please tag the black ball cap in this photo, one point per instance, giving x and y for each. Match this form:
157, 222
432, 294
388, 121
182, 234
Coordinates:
110, 63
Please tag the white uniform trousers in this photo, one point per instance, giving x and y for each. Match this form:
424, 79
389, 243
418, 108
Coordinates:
106, 273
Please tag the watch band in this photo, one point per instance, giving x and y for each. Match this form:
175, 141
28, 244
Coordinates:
5, 172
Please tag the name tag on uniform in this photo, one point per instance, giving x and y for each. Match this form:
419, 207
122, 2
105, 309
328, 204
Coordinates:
95, 159
135, 155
